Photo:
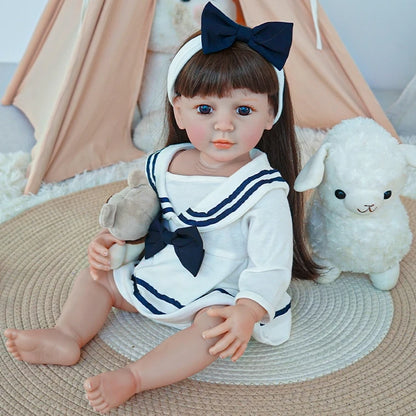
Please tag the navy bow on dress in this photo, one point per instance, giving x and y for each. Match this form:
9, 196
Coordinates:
186, 241
272, 40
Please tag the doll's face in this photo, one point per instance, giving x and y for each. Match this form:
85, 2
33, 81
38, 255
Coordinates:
225, 128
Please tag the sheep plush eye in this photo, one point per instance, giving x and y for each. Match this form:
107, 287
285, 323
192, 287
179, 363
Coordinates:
340, 194
387, 194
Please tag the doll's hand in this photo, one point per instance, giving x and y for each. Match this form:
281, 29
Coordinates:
236, 329
98, 254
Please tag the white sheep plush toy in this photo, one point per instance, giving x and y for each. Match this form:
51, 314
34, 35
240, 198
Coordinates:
174, 21
356, 221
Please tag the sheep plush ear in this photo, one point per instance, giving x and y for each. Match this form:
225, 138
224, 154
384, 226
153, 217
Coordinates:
313, 172
409, 152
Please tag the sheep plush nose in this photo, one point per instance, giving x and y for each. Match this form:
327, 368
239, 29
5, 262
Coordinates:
363, 203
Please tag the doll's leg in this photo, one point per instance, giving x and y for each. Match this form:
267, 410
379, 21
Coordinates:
178, 357
83, 314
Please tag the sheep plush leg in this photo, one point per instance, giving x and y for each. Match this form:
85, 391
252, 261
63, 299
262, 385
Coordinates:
329, 273
386, 280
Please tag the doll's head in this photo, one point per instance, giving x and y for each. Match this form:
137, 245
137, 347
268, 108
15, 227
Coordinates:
206, 66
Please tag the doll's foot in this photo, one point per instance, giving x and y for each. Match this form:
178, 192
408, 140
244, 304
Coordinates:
42, 346
108, 390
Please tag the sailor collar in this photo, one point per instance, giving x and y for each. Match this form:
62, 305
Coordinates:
233, 198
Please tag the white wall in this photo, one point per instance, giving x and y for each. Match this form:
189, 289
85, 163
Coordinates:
379, 34
18, 19
381, 37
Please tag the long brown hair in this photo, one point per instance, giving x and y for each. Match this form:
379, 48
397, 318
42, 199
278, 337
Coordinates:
241, 67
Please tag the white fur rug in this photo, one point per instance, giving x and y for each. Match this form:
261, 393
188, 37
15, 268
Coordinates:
13, 168
12, 183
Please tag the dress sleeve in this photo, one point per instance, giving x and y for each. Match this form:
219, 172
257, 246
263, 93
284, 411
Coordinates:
270, 252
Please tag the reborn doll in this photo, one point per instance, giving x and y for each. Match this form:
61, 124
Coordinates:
218, 260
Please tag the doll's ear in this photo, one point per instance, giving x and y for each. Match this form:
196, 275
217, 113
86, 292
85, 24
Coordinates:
177, 111
313, 172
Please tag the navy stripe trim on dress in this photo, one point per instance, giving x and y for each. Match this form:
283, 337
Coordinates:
156, 294
166, 210
234, 195
143, 301
231, 209
216, 290
150, 169
281, 312
168, 206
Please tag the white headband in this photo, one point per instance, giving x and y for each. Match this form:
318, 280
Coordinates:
188, 51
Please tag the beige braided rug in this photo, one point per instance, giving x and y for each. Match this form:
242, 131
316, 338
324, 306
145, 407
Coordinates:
349, 354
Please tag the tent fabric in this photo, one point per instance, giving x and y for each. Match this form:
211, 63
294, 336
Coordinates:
80, 77
402, 112
78, 84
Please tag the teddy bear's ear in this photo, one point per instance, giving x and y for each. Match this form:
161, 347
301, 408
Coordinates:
313, 172
107, 215
136, 178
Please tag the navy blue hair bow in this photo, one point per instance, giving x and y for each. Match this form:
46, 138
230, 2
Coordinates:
186, 241
271, 40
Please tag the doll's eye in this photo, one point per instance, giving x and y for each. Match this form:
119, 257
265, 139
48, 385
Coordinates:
387, 194
204, 109
340, 194
243, 110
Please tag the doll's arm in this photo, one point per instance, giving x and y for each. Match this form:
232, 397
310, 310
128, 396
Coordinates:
98, 252
236, 329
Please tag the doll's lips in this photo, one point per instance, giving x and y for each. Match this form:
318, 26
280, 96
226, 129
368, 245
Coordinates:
222, 144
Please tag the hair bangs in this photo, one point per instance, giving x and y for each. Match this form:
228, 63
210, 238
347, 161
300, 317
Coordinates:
237, 67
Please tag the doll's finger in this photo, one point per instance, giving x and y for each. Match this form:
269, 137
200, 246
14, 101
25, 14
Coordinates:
109, 238
93, 273
232, 348
220, 346
239, 352
98, 259
220, 312
104, 260
97, 249
99, 266
216, 331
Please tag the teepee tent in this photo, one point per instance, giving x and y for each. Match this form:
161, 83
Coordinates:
80, 77
403, 111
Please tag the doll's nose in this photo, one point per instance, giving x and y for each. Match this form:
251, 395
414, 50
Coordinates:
224, 123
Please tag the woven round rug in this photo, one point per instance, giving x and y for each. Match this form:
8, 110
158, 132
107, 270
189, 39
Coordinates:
349, 354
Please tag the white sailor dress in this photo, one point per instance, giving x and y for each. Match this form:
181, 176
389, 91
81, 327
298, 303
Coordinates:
245, 228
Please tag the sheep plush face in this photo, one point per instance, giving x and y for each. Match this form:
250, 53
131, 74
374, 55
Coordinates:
375, 165
356, 221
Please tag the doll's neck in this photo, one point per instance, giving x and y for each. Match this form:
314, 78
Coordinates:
192, 162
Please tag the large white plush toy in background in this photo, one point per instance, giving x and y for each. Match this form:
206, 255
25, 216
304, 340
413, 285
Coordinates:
356, 221
174, 21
